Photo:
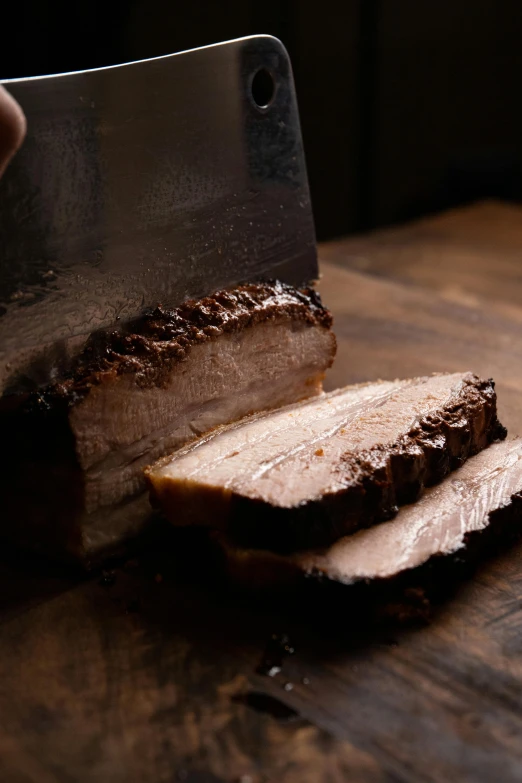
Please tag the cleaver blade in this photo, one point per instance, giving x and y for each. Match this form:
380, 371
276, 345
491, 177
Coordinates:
145, 184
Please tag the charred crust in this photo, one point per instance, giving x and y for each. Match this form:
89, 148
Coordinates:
151, 345
378, 481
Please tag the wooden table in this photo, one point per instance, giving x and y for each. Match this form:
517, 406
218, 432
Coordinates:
148, 679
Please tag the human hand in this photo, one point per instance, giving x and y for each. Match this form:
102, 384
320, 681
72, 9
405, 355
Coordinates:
12, 128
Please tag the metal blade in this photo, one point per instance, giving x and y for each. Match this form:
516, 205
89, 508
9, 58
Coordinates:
142, 184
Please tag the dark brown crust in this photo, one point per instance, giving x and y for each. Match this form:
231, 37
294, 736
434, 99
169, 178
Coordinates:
150, 346
379, 480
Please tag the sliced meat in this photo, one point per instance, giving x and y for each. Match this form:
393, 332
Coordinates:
308, 474
487, 489
79, 448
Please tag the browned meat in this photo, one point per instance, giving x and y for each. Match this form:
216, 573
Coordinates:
308, 474
78, 449
486, 488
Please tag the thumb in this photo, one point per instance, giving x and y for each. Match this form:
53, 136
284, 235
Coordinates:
12, 127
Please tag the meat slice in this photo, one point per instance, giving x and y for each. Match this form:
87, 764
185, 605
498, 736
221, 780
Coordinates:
486, 490
78, 449
308, 474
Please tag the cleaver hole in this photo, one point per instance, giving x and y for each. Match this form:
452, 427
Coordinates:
263, 88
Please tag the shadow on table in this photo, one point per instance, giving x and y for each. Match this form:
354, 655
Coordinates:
171, 578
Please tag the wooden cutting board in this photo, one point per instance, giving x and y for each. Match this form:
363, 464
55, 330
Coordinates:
142, 676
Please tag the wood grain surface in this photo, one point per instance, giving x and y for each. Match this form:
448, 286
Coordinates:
144, 675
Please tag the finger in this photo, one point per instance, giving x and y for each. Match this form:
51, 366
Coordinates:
12, 127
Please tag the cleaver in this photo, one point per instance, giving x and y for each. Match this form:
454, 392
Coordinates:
145, 184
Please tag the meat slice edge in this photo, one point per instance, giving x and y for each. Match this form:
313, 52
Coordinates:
307, 475
486, 489
120, 429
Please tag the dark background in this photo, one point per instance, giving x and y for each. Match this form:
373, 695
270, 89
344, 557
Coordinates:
407, 106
